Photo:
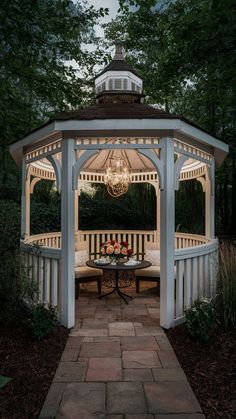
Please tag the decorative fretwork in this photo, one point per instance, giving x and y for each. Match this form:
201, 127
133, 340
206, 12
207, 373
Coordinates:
44, 151
42, 173
190, 151
126, 142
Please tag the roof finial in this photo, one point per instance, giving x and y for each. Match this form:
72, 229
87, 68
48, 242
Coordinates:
119, 51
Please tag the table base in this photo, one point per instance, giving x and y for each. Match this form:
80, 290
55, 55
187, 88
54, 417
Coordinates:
117, 289
119, 292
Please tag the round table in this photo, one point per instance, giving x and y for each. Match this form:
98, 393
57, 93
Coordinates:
118, 268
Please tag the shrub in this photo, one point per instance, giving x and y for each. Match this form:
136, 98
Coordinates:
201, 319
15, 285
43, 320
227, 282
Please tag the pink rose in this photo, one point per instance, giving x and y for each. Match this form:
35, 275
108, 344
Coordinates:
117, 250
110, 249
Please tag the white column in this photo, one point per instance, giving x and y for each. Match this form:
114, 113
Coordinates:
25, 201
76, 211
210, 202
158, 209
167, 232
67, 235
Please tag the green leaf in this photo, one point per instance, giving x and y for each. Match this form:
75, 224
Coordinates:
4, 381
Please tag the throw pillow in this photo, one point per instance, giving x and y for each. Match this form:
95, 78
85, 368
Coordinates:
81, 258
153, 256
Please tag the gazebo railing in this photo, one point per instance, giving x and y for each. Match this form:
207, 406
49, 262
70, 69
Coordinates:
45, 240
195, 262
137, 239
43, 267
183, 240
196, 269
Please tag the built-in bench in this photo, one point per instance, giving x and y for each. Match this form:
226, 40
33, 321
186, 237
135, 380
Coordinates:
83, 273
152, 273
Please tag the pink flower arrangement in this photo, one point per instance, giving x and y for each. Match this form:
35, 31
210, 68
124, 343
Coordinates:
116, 249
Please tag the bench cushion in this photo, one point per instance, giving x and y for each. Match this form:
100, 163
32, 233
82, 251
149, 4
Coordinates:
151, 271
86, 272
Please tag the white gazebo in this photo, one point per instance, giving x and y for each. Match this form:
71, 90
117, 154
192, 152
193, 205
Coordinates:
158, 148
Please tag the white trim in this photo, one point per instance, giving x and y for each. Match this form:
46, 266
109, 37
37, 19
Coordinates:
122, 124
167, 235
178, 166
67, 236
191, 252
35, 136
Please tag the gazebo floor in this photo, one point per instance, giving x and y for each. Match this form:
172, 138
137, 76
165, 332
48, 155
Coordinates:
144, 308
119, 364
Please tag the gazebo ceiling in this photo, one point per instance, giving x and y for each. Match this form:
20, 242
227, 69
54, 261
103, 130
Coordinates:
136, 162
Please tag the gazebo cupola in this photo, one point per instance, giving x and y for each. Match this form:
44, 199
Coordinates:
118, 82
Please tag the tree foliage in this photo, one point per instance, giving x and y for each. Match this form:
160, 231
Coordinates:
38, 41
185, 50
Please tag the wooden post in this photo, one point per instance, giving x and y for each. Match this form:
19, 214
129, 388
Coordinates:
25, 201
67, 235
167, 235
210, 202
76, 211
158, 209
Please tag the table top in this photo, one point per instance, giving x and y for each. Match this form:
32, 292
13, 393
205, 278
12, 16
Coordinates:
142, 265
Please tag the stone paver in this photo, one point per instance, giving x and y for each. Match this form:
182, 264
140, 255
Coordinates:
140, 359
141, 374
167, 397
168, 359
181, 416
70, 354
105, 369
146, 343
119, 364
53, 400
144, 416
121, 329
168, 374
94, 324
149, 301
71, 371
125, 398
148, 331
100, 349
89, 332
74, 342
83, 400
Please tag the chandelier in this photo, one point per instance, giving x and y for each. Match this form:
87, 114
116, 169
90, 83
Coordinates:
117, 177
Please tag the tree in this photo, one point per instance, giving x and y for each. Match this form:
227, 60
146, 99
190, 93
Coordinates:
185, 50
37, 38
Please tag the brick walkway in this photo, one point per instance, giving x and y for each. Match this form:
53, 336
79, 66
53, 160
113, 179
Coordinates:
119, 364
